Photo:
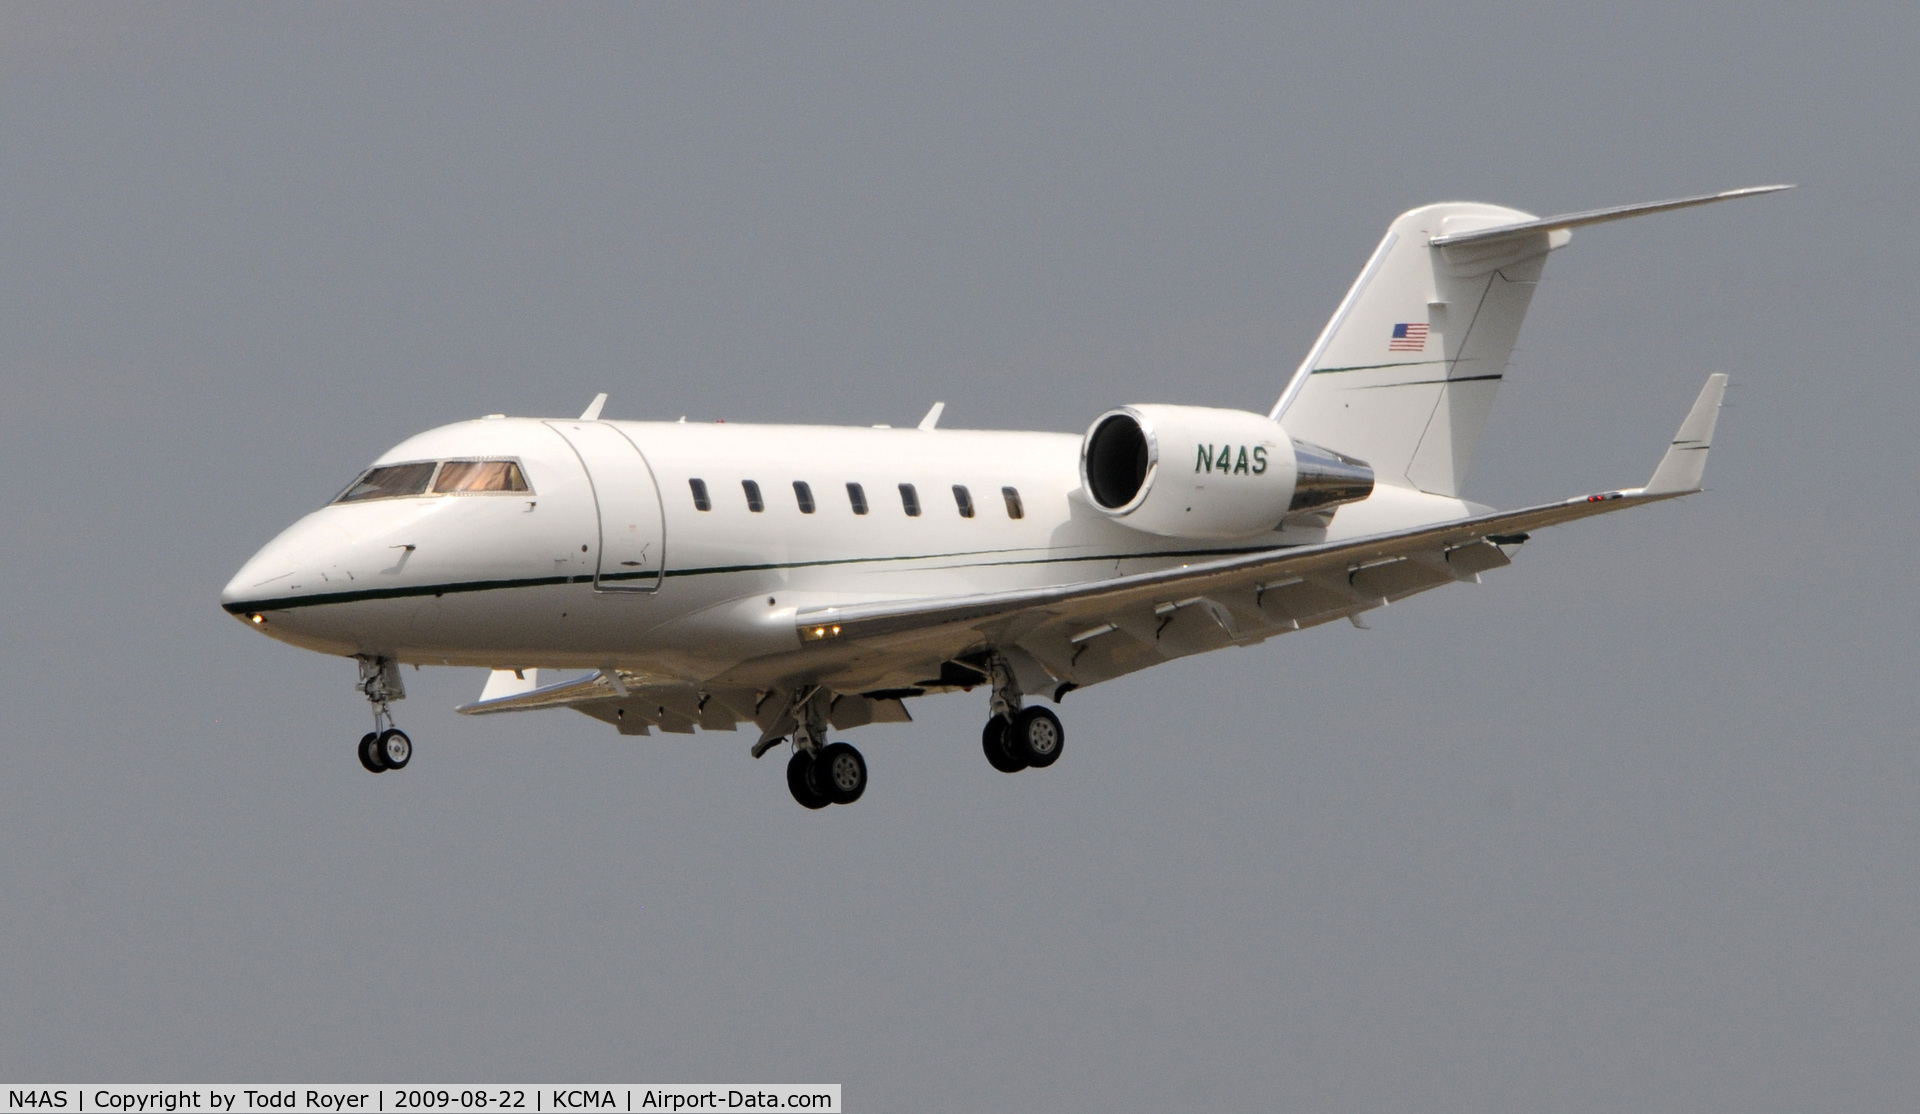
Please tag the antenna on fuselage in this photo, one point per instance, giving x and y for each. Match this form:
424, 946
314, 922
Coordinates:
592, 412
933, 416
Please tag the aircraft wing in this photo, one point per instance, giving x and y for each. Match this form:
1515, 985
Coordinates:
1264, 569
1086, 632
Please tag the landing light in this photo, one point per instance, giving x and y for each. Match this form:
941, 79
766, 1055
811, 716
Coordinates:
816, 634
257, 619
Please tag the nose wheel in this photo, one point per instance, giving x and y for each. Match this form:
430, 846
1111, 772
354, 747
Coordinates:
381, 751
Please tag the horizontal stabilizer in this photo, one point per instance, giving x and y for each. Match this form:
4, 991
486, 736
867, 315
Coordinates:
1686, 460
1591, 216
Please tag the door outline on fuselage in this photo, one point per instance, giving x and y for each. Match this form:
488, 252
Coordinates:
606, 445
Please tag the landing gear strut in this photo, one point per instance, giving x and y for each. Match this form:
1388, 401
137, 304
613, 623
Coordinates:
386, 747
1016, 737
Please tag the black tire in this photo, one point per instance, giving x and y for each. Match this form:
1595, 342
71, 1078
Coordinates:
800, 781
841, 773
367, 757
993, 741
1036, 737
393, 749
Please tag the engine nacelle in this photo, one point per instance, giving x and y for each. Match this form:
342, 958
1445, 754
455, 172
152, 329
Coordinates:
1197, 472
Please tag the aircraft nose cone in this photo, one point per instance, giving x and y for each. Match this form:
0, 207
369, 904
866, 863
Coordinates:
274, 572
230, 595
256, 579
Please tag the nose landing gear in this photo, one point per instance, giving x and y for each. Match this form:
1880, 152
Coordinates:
386, 747
381, 751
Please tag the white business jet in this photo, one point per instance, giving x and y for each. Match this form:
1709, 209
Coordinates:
805, 578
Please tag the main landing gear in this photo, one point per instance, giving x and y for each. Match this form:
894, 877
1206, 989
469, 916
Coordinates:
835, 776
1016, 738
822, 773
386, 747
1033, 737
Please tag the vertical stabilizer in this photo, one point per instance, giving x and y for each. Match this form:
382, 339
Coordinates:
1404, 375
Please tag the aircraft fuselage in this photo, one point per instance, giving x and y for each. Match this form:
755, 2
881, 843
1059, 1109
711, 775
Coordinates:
607, 561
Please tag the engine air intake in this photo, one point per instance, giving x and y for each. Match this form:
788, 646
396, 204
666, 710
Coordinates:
1117, 461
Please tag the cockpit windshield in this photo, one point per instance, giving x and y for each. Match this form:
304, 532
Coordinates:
455, 477
390, 481
480, 475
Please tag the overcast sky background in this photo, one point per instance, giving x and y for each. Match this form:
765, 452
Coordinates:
1633, 825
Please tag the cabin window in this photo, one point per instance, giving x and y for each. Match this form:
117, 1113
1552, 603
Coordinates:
479, 475
910, 500
700, 500
754, 502
963, 499
803, 495
389, 482
857, 495
1014, 508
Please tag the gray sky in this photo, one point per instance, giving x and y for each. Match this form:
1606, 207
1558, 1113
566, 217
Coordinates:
1632, 825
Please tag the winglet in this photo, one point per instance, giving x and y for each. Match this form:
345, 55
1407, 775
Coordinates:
933, 416
1686, 460
592, 412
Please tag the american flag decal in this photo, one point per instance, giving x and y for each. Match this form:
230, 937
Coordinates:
1409, 336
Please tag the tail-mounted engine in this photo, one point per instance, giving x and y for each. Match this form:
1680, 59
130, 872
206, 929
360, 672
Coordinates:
1196, 472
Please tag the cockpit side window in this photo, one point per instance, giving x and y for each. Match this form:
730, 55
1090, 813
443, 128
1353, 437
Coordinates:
390, 481
479, 475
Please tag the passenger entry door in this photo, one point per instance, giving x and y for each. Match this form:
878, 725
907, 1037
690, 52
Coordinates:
633, 543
